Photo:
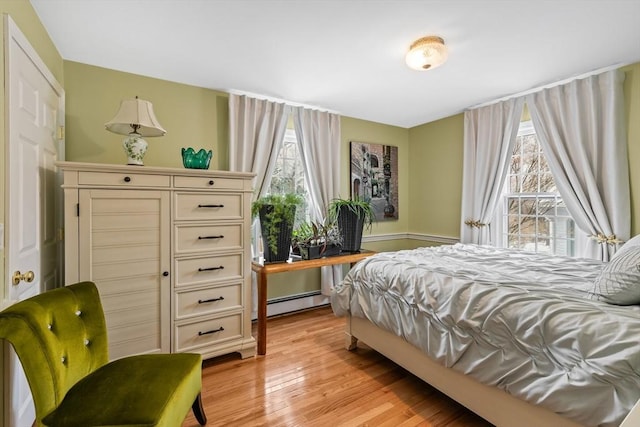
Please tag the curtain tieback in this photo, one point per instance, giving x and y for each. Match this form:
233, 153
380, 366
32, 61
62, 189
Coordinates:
475, 223
604, 239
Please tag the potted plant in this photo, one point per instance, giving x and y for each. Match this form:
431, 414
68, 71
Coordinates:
277, 213
313, 240
351, 216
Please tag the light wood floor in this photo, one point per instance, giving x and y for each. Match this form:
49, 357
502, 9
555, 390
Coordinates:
308, 378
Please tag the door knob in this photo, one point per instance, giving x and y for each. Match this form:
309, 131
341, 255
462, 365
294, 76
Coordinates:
27, 277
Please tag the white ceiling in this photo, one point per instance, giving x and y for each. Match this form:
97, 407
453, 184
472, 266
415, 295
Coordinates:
347, 56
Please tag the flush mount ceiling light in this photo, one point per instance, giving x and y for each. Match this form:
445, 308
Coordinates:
426, 53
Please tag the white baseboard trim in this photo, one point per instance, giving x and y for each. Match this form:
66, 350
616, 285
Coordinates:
384, 237
411, 236
294, 304
434, 238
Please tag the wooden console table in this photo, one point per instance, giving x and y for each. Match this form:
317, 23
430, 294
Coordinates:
263, 270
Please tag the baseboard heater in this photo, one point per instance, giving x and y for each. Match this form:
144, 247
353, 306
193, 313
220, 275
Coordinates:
292, 297
293, 303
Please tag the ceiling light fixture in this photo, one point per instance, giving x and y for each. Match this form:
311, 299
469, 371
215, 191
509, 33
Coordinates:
426, 53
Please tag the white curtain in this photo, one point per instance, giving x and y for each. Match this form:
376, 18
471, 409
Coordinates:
580, 126
318, 135
256, 132
489, 135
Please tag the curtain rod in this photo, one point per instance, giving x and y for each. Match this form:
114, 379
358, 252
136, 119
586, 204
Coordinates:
281, 101
550, 85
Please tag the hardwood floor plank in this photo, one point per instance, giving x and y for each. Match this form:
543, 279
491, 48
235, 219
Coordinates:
308, 379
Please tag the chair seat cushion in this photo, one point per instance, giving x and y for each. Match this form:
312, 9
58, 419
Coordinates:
143, 390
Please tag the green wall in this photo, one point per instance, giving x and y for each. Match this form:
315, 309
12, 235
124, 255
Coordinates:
632, 111
193, 116
436, 161
436, 176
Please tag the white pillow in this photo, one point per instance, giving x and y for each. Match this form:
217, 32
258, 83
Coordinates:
619, 281
629, 244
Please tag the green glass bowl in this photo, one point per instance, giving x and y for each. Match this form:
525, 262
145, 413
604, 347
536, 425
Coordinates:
196, 160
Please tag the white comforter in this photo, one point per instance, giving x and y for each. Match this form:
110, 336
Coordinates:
515, 320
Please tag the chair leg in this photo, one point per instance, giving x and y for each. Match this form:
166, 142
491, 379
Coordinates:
198, 410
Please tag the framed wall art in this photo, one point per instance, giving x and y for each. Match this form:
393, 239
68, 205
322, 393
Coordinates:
374, 177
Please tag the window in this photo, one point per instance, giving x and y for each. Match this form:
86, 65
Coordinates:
288, 174
534, 217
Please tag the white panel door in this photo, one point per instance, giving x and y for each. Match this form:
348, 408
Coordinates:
35, 103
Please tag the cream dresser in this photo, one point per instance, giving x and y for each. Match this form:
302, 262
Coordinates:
169, 250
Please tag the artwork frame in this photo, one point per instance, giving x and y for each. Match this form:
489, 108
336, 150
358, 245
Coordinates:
374, 177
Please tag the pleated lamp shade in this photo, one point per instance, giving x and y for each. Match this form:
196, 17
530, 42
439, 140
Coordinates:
135, 115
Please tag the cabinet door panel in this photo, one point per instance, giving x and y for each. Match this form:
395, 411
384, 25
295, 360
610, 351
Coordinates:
124, 249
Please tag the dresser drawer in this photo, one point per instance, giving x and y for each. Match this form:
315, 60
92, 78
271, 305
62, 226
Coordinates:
208, 332
204, 206
210, 183
123, 179
208, 301
211, 269
206, 238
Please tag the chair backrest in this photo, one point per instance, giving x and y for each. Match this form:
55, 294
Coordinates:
60, 336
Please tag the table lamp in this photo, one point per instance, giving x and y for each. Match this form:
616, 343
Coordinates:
136, 119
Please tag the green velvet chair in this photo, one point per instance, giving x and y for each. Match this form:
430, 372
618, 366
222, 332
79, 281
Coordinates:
61, 339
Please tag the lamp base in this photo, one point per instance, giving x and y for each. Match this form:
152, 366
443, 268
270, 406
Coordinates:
135, 148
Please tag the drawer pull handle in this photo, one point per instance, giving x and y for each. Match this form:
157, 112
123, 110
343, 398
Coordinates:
127, 179
220, 329
211, 206
210, 237
211, 182
203, 301
211, 268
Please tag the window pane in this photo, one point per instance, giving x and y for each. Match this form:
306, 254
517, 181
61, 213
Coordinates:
528, 243
535, 217
542, 227
288, 175
547, 183
290, 150
513, 206
528, 225
546, 206
514, 224
528, 206
513, 241
544, 166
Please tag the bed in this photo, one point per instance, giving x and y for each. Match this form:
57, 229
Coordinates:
520, 338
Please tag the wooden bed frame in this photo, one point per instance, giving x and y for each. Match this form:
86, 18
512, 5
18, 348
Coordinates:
492, 404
